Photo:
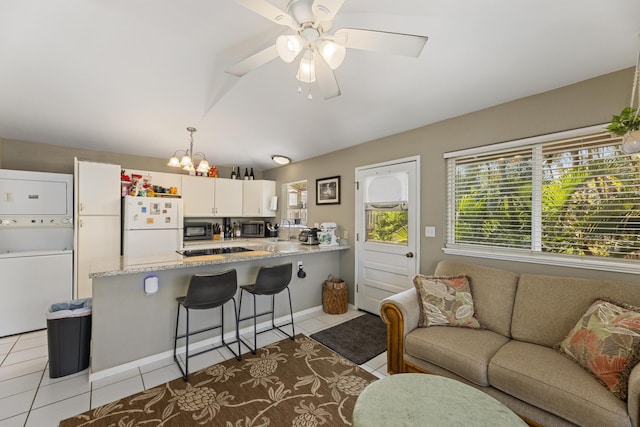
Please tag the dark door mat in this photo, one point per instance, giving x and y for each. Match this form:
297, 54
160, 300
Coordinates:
359, 339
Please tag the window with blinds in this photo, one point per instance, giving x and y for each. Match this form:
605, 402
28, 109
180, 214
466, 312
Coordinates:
578, 195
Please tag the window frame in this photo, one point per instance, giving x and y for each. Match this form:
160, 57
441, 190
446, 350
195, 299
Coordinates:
532, 255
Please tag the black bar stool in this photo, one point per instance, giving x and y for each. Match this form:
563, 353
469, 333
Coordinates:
207, 291
270, 281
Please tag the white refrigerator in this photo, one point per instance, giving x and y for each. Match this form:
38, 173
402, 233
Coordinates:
151, 225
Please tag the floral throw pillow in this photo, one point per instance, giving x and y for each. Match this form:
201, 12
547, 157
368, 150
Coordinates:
445, 301
606, 342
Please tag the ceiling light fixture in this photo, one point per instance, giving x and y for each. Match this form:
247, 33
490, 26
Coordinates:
280, 159
188, 157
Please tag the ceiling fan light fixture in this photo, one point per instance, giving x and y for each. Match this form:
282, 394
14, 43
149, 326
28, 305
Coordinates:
288, 47
332, 53
280, 159
307, 69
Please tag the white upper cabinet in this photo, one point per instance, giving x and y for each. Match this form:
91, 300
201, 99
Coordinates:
198, 196
98, 188
219, 197
256, 198
211, 197
228, 197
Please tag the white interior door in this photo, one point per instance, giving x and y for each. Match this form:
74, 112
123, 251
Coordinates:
387, 223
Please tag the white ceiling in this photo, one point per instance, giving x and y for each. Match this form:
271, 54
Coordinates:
129, 76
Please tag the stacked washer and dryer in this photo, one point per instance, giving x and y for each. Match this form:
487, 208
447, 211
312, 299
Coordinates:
36, 247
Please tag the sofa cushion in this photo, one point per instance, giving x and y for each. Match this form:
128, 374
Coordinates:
445, 301
545, 378
606, 342
547, 307
465, 352
494, 292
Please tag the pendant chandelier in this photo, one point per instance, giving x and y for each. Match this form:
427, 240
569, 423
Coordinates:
189, 157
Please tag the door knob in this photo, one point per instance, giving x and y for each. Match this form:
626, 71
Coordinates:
409, 254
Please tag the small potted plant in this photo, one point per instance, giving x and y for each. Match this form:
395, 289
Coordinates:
627, 125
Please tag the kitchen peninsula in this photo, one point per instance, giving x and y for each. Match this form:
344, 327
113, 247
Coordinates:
131, 328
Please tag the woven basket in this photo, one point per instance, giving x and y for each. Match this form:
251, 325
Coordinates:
335, 296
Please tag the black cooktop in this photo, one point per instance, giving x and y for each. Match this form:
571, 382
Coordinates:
212, 251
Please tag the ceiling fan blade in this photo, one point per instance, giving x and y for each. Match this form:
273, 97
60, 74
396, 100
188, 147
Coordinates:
325, 77
254, 61
269, 11
326, 10
380, 41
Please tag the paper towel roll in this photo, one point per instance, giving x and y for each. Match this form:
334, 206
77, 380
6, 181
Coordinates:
274, 203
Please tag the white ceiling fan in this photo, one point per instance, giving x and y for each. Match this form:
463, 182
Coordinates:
320, 52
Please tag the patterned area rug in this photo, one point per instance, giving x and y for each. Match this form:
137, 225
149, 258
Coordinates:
358, 340
288, 383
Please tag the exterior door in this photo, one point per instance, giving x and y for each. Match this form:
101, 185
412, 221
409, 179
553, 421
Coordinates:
387, 243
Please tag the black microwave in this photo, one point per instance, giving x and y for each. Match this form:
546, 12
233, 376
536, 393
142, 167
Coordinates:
197, 231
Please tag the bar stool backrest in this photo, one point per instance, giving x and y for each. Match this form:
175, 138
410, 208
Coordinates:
211, 290
272, 280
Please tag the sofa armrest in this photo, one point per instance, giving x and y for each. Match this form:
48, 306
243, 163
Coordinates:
401, 313
633, 400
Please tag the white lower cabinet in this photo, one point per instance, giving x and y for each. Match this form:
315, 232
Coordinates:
98, 237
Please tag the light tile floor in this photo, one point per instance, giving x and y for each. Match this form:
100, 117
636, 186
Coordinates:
28, 397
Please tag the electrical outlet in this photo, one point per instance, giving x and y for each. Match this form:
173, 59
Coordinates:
345, 234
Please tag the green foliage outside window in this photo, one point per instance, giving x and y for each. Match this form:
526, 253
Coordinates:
589, 203
388, 226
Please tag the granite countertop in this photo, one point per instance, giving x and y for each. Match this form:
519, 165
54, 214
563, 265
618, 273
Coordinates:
259, 250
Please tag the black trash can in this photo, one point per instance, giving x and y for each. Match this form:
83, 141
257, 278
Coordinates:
69, 337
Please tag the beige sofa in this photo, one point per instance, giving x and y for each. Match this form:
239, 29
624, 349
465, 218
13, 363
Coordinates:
512, 358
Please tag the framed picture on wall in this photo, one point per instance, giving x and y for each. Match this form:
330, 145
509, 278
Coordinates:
328, 191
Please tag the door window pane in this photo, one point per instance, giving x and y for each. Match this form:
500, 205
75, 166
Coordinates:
386, 223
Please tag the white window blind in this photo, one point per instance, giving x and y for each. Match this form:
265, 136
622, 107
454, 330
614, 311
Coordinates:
570, 196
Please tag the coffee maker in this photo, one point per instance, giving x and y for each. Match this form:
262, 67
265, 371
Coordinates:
327, 234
